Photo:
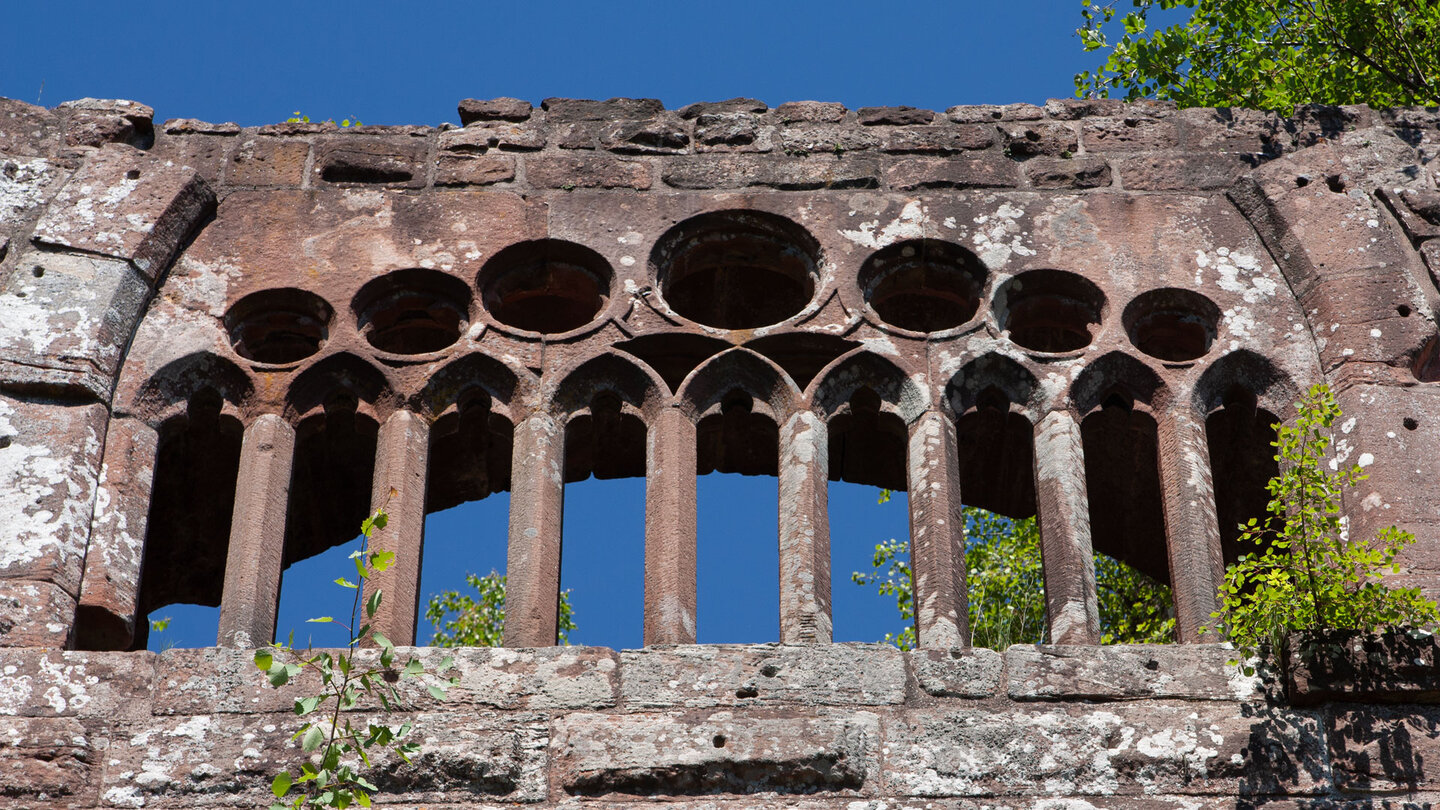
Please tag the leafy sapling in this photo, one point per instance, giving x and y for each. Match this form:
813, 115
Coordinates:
1307, 571
341, 753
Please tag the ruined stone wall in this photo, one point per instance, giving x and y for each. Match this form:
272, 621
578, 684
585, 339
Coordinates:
220, 347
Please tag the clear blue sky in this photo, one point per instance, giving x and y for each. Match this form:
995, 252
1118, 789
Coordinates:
409, 63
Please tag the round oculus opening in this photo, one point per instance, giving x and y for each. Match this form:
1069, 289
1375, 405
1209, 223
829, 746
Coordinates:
1171, 324
278, 326
547, 285
736, 269
413, 311
1049, 310
923, 285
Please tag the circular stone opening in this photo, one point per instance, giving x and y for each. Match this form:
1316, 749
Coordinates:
1171, 324
413, 311
278, 326
1049, 310
736, 269
924, 285
547, 285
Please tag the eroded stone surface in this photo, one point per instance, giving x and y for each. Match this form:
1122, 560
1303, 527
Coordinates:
706, 675
1128, 672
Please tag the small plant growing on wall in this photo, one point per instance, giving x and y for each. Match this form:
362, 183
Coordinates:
339, 752
1307, 572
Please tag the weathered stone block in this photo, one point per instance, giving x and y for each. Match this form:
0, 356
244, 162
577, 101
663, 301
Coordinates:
1363, 667
718, 752
1127, 672
26, 129
54, 683
129, 205
570, 110
393, 161
1175, 171
730, 106
49, 469
205, 154
473, 170
985, 113
1023, 140
810, 112
959, 172
1385, 749
665, 134
1072, 108
597, 171
268, 162
899, 116
937, 140
734, 130
1228, 129
539, 678
971, 672
1124, 750
825, 138
480, 137
791, 174
67, 320
46, 763
1076, 172
1129, 133
110, 589
34, 614
719, 675
98, 121
495, 109
26, 184
194, 126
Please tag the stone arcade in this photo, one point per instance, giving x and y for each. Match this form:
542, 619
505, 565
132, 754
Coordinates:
220, 346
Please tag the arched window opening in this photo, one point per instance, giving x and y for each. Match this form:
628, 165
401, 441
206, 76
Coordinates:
1242, 461
183, 573
330, 488
738, 556
602, 561
867, 451
996, 448
467, 505
1127, 519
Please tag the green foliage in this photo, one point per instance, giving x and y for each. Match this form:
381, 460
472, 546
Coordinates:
340, 753
1307, 572
1007, 588
298, 118
1267, 54
462, 620
159, 626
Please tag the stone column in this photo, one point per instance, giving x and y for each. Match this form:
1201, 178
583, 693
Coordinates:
257, 534
1192, 532
804, 531
402, 457
1063, 508
110, 589
937, 533
537, 508
670, 529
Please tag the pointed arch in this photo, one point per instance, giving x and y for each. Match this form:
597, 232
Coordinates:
861, 368
968, 387
464, 378
1271, 387
167, 392
1115, 373
627, 378
740, 369
340, 375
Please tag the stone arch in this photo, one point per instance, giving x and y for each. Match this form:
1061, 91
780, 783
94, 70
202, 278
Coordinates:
340, 376
740, 369
868, 402
1272, 388
992, 372
166, 393
739, 400
1116, 375
607, 404
460, 380
833, 387
993, 399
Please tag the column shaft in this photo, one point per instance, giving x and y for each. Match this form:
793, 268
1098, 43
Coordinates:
937, 533
537, 509
1192, 530
1063, 507
804, 531
402, 458
257, 534
670, 529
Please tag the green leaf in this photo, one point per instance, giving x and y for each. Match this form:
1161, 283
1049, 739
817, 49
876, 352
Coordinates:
312, 739
414, 667
304, 706
279, 676
281, 784
264, 659
372, 604
380, 639
382, 560
321, 620
436, 692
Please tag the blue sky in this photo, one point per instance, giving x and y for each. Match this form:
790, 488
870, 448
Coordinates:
410, 63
